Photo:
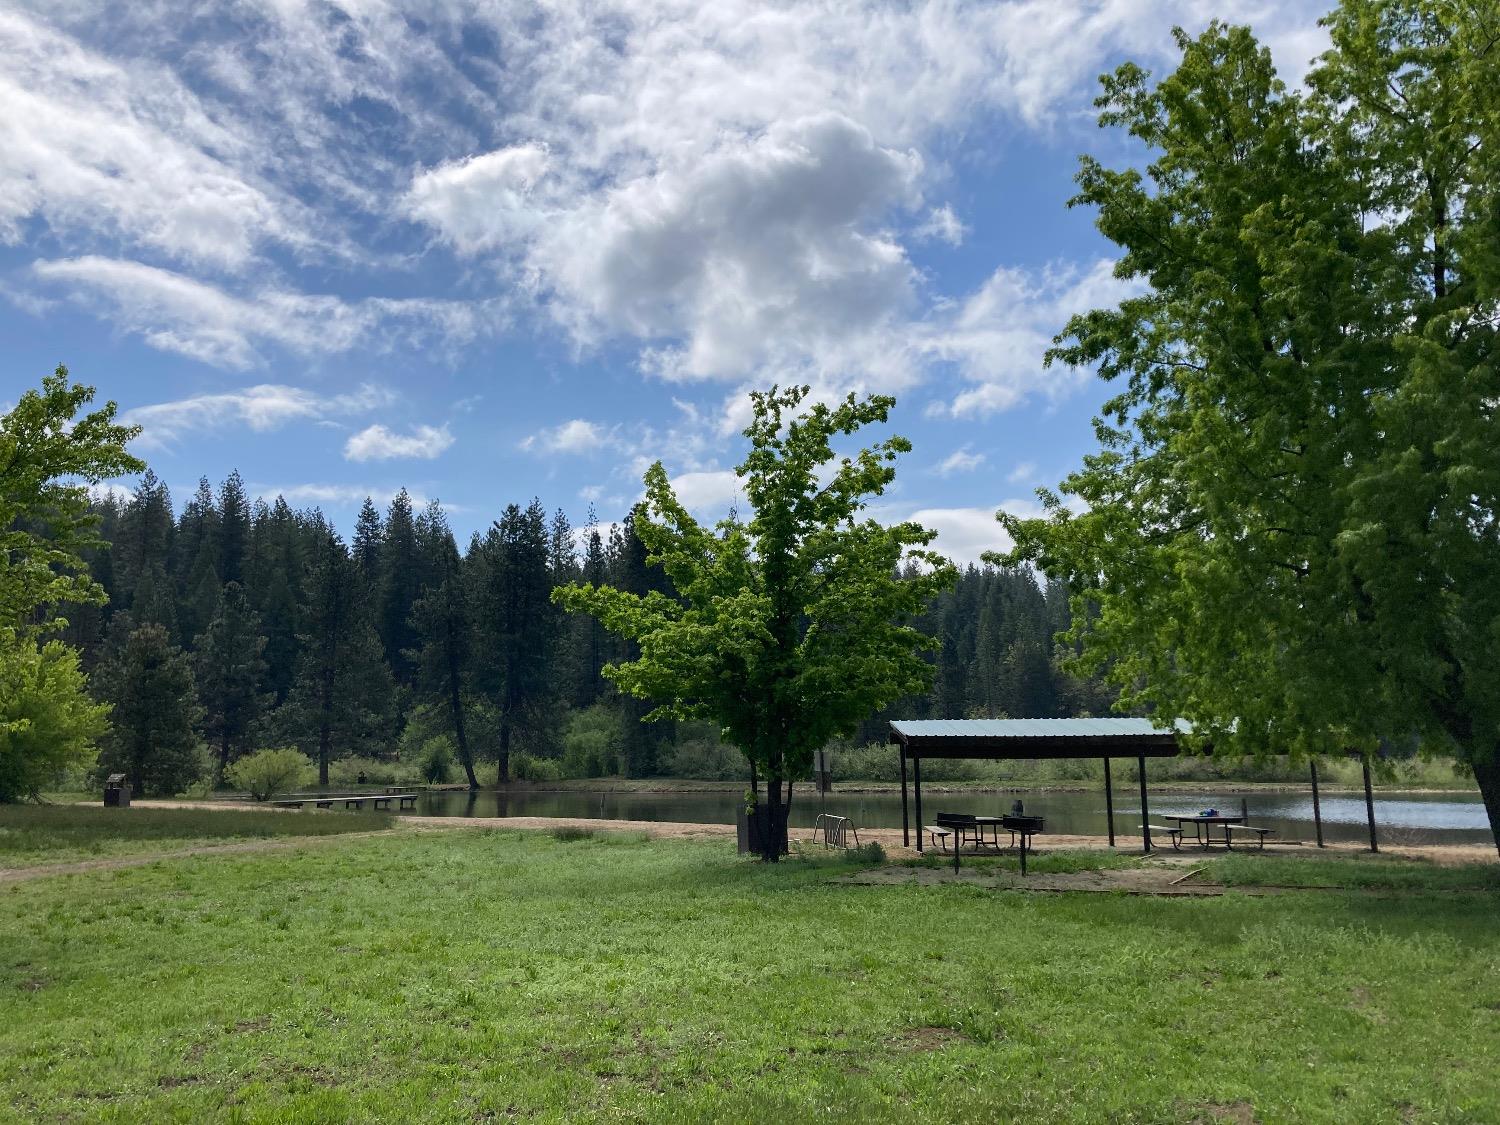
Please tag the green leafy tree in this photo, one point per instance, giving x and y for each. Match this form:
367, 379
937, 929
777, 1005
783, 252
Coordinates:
1289, 536
789, 629
230, 672
152, 738
49, 454
266, 773
48, 723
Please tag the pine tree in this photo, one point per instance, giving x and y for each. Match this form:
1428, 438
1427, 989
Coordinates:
234, 529
442, 622
230, 672
366, 546
516, 623
152, 739
399, 587
341, 699
197, 562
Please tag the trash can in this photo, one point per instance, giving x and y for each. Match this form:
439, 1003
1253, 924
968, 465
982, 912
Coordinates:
116, 792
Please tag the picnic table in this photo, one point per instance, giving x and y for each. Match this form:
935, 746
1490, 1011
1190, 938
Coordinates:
1203, 826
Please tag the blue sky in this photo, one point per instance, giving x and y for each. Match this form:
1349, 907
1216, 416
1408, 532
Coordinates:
494, 251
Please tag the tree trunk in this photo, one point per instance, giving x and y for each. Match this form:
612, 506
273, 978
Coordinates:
1487, 773
456, 705
775, 822
223, 760
503, 775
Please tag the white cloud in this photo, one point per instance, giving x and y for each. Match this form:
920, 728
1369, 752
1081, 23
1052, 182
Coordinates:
964, 534
177, 313
959, 461
265, 407
708, 495
1023, 472
482, 202
377, 443
575, 436
96, 147
997, 338
942, 225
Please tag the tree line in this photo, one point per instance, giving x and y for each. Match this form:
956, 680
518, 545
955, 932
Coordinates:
239, 624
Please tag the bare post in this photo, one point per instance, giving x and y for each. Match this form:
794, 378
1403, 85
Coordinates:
1109, 803
1317, 804
1145, 811
1370, 805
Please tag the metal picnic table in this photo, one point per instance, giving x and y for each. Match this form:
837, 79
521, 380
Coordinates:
1203, 825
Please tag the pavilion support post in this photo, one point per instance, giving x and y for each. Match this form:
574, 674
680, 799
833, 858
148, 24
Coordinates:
1145, 809
1317, 804
1370, 806
905, 828
1109, 803
916, 778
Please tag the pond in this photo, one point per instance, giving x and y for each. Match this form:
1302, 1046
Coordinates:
1428, 818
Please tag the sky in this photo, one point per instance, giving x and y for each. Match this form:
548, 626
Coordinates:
496, 251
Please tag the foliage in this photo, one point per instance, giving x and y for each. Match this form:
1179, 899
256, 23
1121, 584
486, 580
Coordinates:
789, 629
32, 835
592, 742
641, 962
48, 723
436, 763
1289, 535
512, 583
48, 457
346, 772
267, 773
527, 767
230, 670
152, 739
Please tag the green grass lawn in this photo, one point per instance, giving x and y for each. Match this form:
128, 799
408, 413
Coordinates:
40, 834
487, 975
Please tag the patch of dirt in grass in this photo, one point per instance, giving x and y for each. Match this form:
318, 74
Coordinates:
930, 1038
1364, 1003
33, 984
1224, 1113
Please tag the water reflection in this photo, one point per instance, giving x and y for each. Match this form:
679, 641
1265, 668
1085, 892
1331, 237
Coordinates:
1456, 818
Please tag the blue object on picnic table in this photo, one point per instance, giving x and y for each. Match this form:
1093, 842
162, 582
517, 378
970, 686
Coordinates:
1209, 812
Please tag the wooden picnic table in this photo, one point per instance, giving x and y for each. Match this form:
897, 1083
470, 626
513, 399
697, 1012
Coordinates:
1203, 825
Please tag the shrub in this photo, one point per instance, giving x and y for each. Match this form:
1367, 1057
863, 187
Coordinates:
705, 758
528, 767
592, 742
268, 772
436, 762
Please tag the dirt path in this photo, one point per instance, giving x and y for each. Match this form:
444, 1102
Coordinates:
887, 838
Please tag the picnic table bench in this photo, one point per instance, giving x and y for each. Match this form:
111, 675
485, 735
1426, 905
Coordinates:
1175, 834
1231, 830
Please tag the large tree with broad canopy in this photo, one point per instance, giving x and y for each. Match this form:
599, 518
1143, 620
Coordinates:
1289, 535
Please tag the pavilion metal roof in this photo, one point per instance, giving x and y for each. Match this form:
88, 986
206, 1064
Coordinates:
1036, 738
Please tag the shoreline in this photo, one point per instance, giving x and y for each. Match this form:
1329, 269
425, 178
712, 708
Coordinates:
666, 786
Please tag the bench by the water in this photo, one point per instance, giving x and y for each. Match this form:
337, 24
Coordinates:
350, 801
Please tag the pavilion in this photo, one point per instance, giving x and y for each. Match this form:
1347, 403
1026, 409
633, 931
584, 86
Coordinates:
1033, 739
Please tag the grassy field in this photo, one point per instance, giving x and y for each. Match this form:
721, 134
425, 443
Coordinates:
40, 834
483, 975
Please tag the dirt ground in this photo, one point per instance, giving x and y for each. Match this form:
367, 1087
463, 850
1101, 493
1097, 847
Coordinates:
1168, 862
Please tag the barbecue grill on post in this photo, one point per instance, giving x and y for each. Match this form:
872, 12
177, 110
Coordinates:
1025, 827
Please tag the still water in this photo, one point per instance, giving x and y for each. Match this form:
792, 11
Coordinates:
1448, 818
